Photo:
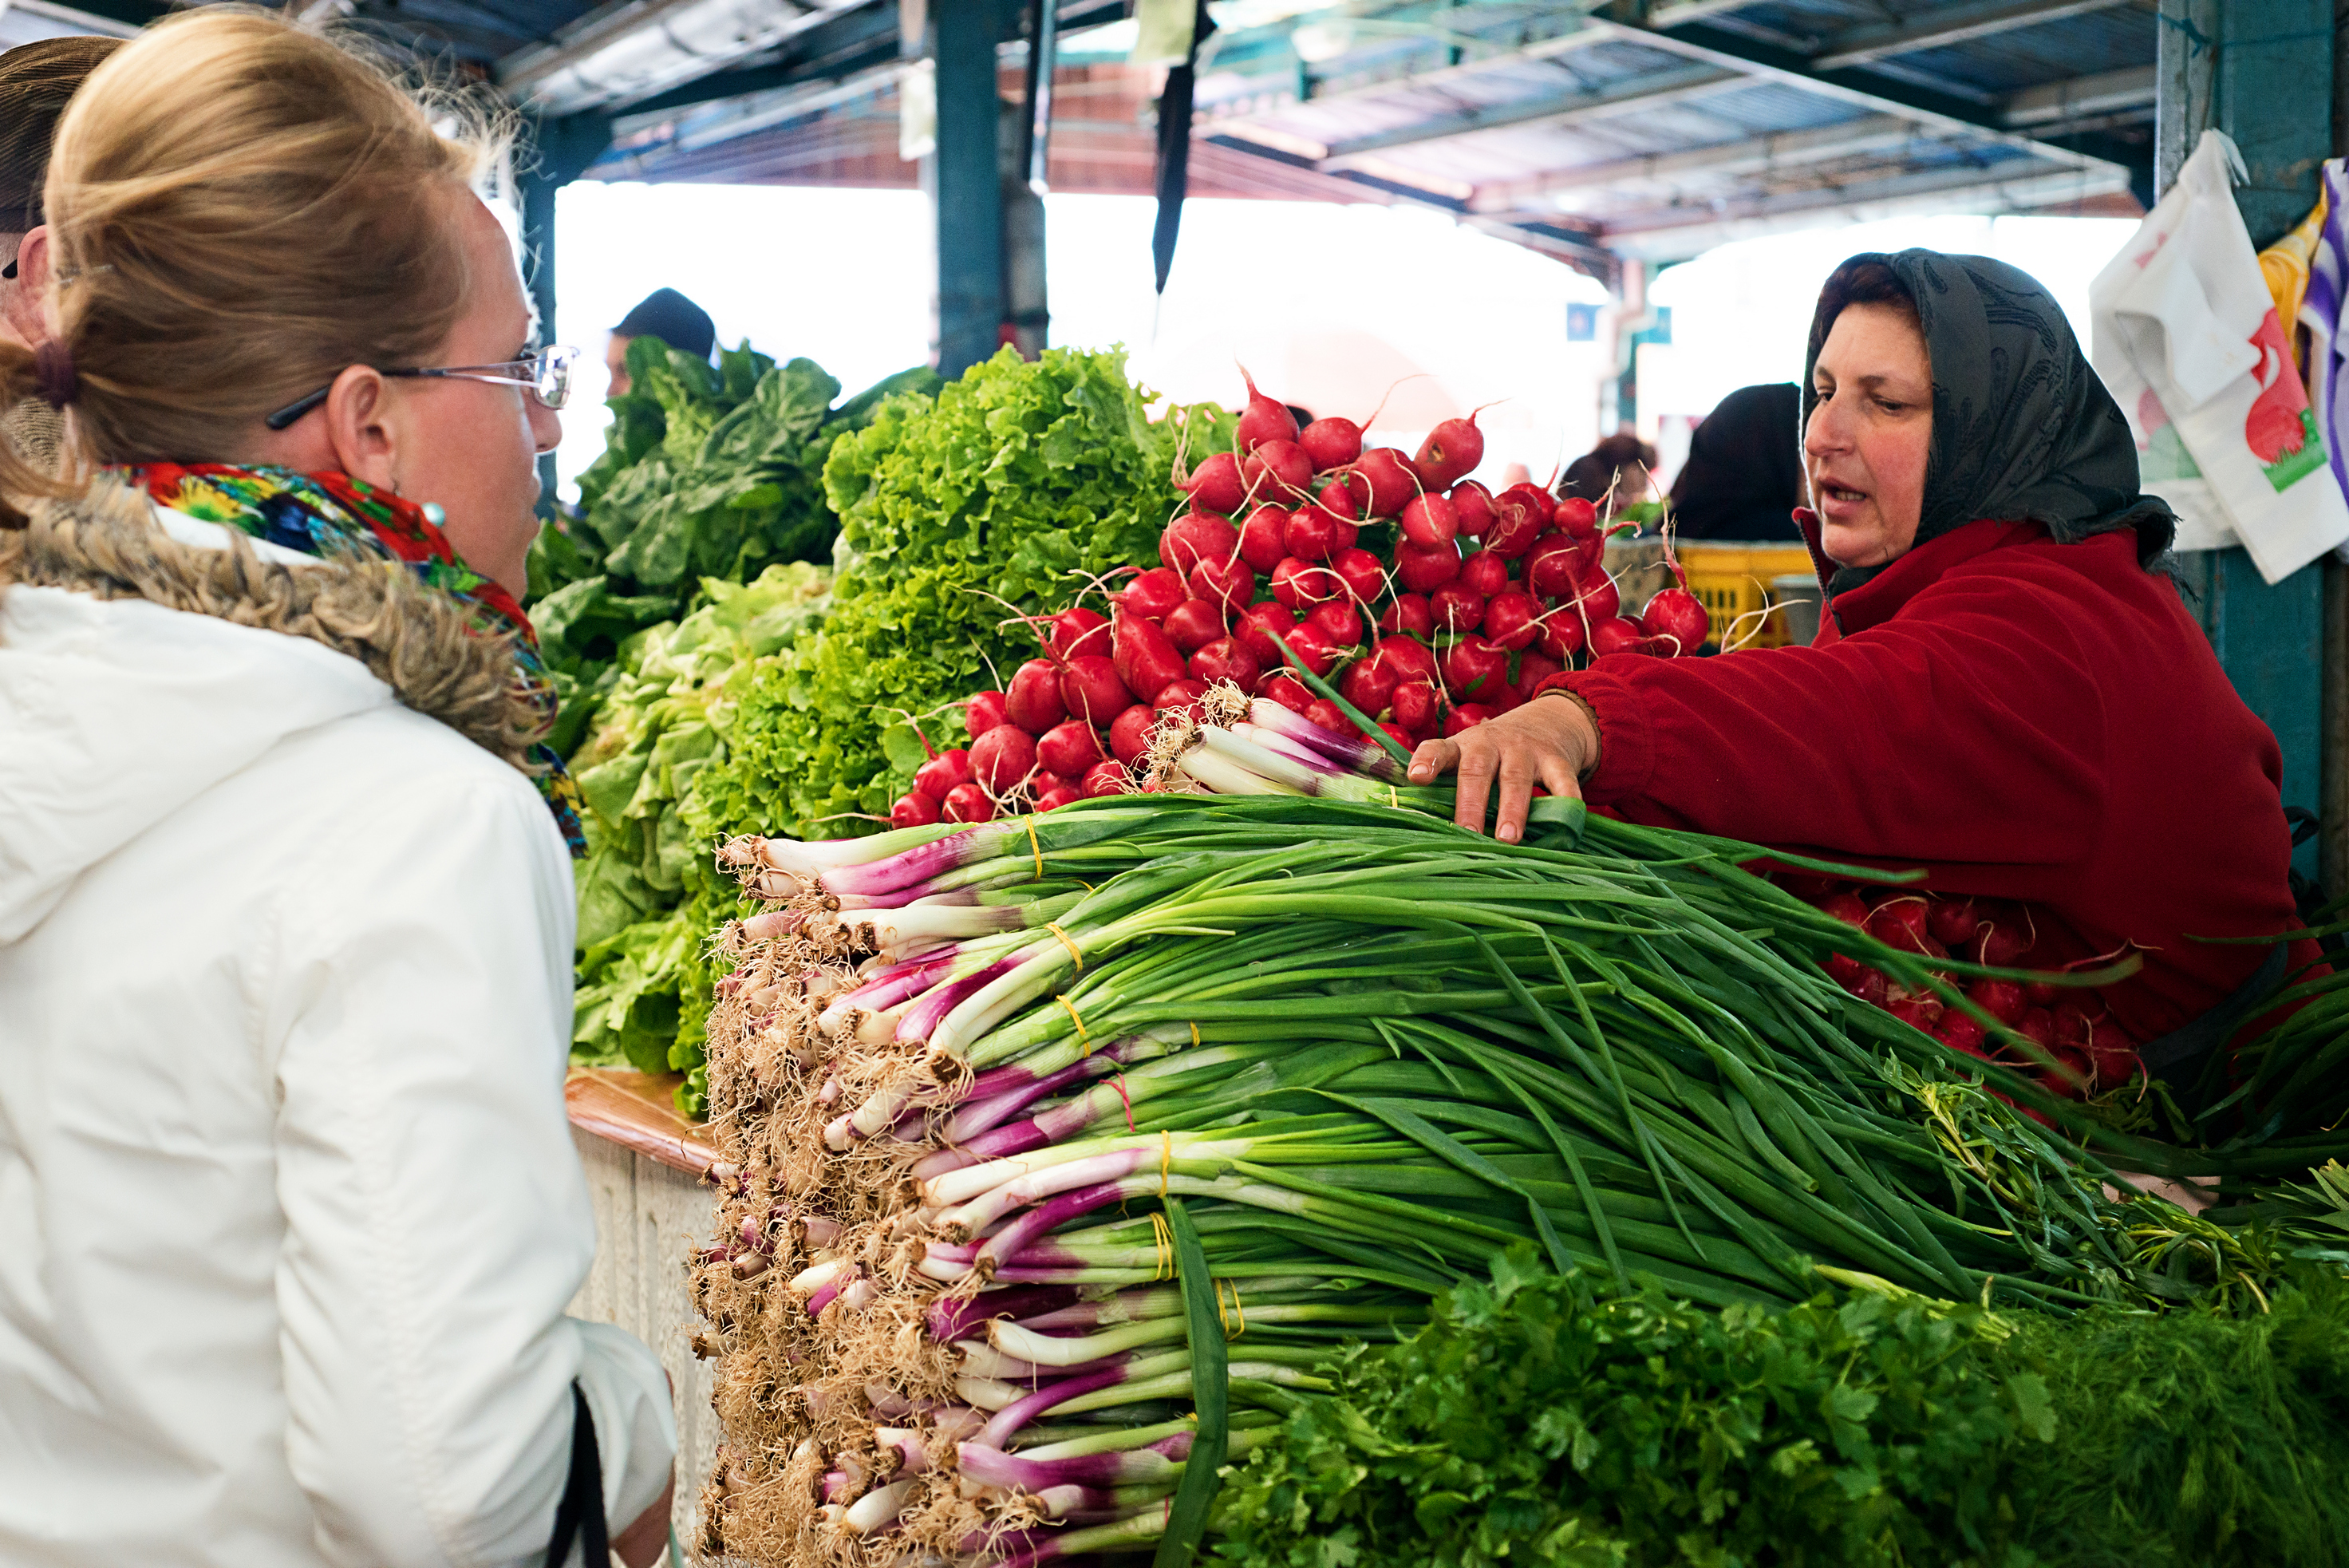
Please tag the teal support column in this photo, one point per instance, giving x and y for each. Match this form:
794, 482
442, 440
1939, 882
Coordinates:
2262, 71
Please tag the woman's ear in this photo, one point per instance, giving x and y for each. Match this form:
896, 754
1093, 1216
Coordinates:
31, 313
360, 427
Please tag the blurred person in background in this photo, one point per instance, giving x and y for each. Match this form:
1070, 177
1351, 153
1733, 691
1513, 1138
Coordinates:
664, 314
36, 81
1612, 476
1743, 476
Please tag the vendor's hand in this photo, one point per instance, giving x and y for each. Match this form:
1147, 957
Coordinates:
643, 1542
1550, 739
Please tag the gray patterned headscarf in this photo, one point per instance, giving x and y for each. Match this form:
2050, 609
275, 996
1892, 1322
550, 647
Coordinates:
2023, 428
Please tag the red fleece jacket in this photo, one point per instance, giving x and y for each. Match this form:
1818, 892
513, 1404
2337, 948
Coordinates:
2020, 719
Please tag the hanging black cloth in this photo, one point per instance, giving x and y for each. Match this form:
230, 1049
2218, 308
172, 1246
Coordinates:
1174, 148
580, 1514
2023, 427
1743, 476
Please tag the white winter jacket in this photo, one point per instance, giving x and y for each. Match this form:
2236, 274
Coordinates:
289, 1213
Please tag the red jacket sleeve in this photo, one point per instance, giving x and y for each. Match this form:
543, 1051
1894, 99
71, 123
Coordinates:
1968, 729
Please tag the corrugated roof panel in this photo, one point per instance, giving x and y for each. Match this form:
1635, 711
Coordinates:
2048, 51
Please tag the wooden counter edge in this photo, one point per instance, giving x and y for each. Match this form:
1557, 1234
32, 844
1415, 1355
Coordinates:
632, 1109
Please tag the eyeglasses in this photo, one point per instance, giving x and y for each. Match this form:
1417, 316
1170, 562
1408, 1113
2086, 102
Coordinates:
547, 373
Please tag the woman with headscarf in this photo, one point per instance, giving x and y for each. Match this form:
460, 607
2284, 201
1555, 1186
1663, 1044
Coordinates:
2003, 692
1743, 476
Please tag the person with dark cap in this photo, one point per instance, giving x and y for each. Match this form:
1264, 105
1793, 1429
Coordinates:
1743, 476
2006, 691
36, 81
668, 316
1612, 476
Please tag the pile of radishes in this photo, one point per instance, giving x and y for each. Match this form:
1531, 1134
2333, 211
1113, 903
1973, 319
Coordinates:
1429, 602
2069, 1023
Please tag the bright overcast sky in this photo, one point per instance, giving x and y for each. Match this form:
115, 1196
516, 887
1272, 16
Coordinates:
1334, 307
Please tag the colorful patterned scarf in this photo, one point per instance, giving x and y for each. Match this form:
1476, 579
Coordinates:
334, 514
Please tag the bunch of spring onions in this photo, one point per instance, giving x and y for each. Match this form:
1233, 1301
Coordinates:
1061, 1149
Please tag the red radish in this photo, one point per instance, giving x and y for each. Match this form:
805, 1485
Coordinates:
1416, 705
1576, 515
937, 777
1677, 613
1215, 485
1849, 908
1598, 601
1078, 630
1330, 717
1917, 1011
1999, 945
1614, 636
1129, 733
2070, 1075
1331, 442
1474, 503
1961, 1029
1057, 795
1467, 715
1336, 622
1474, 667
1002, 757
1429, 519
968, 802
1520, 515
1424, 570
1873, 987
1899, 922
1286, 689
1151, 594
1409, 613
1533, 669
1365, 579
2112, 1057
1401, 736
1092, 689
1405, 654
1341, 498
1265, 419
983, 712
2001, 998
1369, 685
1227, 584
1311, 533
1299, 583
1845, 971
1069, 748
2038, 1026
1391, 479
1197, 536
2039, 994
1104, 777
1034, 700
1194, 624
913, 809
1179, 693
2075, 1025
1561, 635
1511, 618
1263, 537
1271, 615
1044, 778
1315, 652
1954, 922
1225, 660
1455, 609
1451, 450
1485, 573
1553, 567
1146, 659
1277, 468
1504, 700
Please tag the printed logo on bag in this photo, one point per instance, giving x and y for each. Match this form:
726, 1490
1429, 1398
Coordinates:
2280, 428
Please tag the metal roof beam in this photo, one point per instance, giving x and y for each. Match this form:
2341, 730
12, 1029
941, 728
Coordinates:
1672, 12
1935, 111
1949, 24
629, 50
1581, 37
2081, 97
1617, 98
1724, 160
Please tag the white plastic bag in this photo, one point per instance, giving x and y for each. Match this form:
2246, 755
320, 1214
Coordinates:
2186, 337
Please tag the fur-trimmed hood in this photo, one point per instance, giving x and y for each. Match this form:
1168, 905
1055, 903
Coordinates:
144, 657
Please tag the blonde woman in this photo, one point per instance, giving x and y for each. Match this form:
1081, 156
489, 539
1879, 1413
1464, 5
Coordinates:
289, 1209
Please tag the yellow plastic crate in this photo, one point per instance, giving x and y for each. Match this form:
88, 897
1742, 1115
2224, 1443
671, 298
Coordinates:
1730, 579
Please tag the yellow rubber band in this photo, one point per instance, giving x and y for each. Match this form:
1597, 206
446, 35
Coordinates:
1039, 848
1068, 944
1237, 1315
1393, 800
1162, 1237
1221, 1316
1165, 1161
1194, 1045
1084, 1041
